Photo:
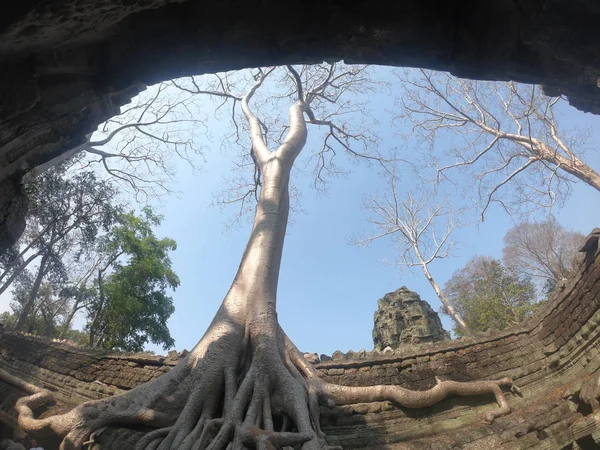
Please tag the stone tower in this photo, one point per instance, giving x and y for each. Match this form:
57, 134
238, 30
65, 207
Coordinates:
402, 317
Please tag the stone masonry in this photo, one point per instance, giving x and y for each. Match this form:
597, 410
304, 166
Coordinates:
403, 318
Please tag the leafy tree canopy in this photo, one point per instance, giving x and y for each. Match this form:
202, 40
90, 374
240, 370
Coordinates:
132, 306
490, 296
68, 211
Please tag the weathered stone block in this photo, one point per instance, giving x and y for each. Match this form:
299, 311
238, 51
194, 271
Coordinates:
403, 318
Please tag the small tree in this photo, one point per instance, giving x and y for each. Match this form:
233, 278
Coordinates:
545, 251
490, 296
131, 306
421, 229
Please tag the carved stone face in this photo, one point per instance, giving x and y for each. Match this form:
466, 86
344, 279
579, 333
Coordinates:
402, 317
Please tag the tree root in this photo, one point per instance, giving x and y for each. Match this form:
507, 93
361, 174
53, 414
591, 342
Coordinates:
341, 395
263, 395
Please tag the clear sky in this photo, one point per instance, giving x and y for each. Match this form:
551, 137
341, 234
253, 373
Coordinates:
328, 289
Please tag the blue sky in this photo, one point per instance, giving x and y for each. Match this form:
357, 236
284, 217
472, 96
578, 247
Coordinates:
328, 289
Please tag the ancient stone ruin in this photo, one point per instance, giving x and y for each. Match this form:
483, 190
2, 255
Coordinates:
403, 318
554, 358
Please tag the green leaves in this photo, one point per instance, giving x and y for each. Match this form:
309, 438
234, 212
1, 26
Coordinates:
90, 256
132, 306
490, 296
67, 212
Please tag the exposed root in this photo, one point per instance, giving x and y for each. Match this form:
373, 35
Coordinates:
93, 436
341, 395
262, 394
255, 437
153, 439
419, 399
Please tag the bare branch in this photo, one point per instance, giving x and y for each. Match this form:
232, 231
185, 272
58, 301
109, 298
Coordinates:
518, 119
225, 94
299, 88
412, 222
502, 183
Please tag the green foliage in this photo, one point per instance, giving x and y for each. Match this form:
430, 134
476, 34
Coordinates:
490, 296
65, 205
7, 319
82, 253
132, 306
47, 311
67, 213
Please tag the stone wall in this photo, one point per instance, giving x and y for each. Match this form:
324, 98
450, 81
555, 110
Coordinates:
76, 374
68, 65
554, 358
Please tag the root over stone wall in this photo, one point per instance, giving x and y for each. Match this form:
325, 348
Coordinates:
554, 358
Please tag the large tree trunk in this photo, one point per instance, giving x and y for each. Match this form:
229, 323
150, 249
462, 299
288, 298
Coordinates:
254, 289
28, 307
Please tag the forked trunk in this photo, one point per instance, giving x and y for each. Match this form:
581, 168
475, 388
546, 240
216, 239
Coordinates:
28, 307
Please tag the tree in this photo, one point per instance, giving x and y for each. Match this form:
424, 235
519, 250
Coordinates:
122, 285
47, 312
489, 295
34, 295
245, 384
420, 230
545, 251
81, 290
130, 305
67, 211
505, 135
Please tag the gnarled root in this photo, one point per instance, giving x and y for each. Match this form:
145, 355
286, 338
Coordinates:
240, 387
343, 395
